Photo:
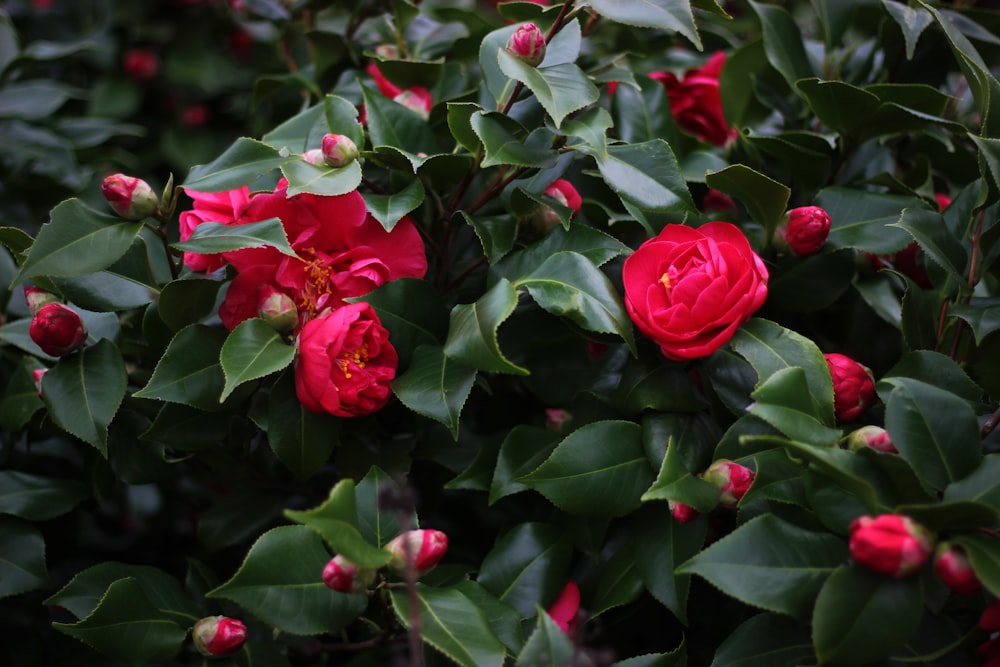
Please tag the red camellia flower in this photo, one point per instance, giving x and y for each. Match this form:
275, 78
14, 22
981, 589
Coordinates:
853, 386
683, 513
345, 362
695, 102
386, 87
141, 64
216, 636
805, 229
690, 289
563, 192
732, 480
425, 548
220, 207
57, 329
891, 544
565, 611
953, 568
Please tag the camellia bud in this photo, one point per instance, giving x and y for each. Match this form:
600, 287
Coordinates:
565, 611
129, 197
36, 376
564, 193
804, 230
217, 636
853, 386
417, 99
141, 64
338, 150
891, 544
732, 480
528, 44
277, 309
57, 329
314, 156
872, 437
424, 548
344, 576
36, 297
556, 419
683, 513
952, 566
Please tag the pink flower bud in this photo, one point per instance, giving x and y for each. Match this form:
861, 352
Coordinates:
952, 566
805, 230
853, 386
194, 116
564, 193
57, 329
683, 513
565, 611
556, 419
345, 577
314, 156
943, 200
338, 150
36, 376
141, 64
732, 480
873, 437
216, 636
277, 309
423, 547
129, 197
891, 544
528, 44
36, 297
417, 99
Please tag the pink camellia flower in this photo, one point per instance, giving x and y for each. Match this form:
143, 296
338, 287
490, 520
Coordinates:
528, 44
277, 309
872, 437
732, 480
690, 289
565, 611
141, 64
338, 150
36, 297
564, 193
417, 99
344, 576
57, 329
216, 636
425, 548
853, 386
890, 544
131, 198
683, 513
804, 230
221, 207
695, 102
345, 362
953, 568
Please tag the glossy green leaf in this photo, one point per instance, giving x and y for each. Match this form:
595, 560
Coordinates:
662, 14
765, 199
279, 582
506, 143
189, 370
105, 291
392, 124
22, 557
764, 640
984, 555
523, 450
251, 351
304, 176
643, 115
188, 301
929, 230
185, 428
911, 20
412, 311
783, 42
342, 118
646, 174
238, 517
547, 645
982, 314
812, 284
843, 467
472, 335
301, 439
783, 401
496, 235
864, 220
388, 209
675, 482
460, 123
216, 237
34, 99
560, 89
376, 523
20, 399
619, 582
982, 485
584, 476
595, 245
770, 563
240, 164
661, 544
301, 132
38, 498
675, 658
435, 386
504, 619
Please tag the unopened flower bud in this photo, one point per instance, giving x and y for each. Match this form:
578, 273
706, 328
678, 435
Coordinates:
277, 309
872, 437
953, 568
417, 99
36, 376
804, 230
683, 513
338, 150
943, 200
314, 156
853, 386
36, 297
890, 544
57, 329
732, 480
217, 636
528, 44
344, 576
131, 198
424, 548
564, 193
565, 611
556, 419
141, 64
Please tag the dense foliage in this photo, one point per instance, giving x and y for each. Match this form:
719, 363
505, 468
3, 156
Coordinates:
599, 332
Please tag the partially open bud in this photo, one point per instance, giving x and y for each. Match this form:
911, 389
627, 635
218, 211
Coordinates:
277, 309
57, 329
804, 230
872, 437
217, 636
417, 99
952, 566
732, 480
36, 376
131, 198
528, 44
344, 576
36, 297
423, 547
890, 544
338, 150
853, 386
683, 513
565, 611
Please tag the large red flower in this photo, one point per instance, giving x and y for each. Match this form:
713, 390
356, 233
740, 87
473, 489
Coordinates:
221, 207
695, 102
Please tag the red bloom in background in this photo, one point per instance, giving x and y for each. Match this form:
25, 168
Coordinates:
695, 102
853, 386
141, 64
221, 207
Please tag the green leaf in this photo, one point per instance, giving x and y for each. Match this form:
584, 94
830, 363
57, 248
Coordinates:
647, 175
560, 89
911, 20
861, 617
496, 234
252, 350
388, 209
675, 482
982, 314
765, 199
770, 563
547, 645
20, 399
435, 386
392, 124
377, 525
412, 311
503, 143
83, 392
215, 237
585, 477
453, 624
783, 401
527, 566
34, 99
126, 626
187, 301
189, 370
185, 428
472, 334
301, 131
279, 582
239, 165
593, 244
764, 640
301, 439
982, 485
658, 552
662, 14
341, 118
843, 108
504, 619
984, 555
22, 557
783, 42
78, 240
39, 498
937, 369
239, 516
460, 123
523, 450
316, 179
812, 284
929, 230
864, 220
643, 115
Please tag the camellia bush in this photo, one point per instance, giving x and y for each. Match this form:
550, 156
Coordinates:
644, 333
